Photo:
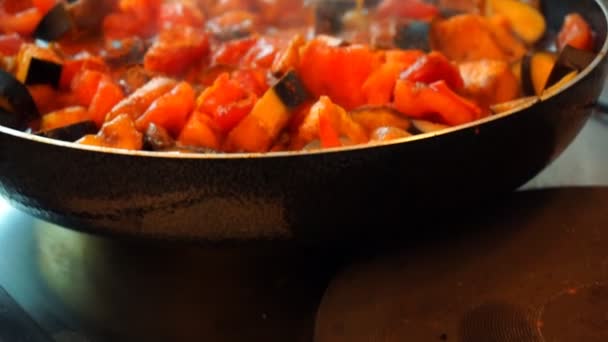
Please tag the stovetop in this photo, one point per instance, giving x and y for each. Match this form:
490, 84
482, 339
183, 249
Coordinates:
533, 267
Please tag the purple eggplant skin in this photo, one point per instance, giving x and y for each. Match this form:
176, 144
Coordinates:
71, 133
291, 90
55, 24
41, 71
17, 107
312, 196
413, 35
570, 59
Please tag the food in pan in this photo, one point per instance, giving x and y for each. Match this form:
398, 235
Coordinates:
260, 76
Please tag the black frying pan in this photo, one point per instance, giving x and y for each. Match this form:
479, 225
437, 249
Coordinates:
315, 195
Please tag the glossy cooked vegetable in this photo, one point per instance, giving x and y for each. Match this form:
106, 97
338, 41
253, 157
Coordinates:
248, 75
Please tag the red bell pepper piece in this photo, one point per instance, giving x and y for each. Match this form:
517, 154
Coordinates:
434, 67
421, 101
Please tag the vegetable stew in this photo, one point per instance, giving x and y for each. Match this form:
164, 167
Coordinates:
273, 75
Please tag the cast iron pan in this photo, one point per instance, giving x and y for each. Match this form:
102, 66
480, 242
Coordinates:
314, 195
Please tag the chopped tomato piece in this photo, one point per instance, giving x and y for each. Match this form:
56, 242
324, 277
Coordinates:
421, 101
199, 132
576, 32
24, 22
336, 71
263, 53
176, 50
44, 5
85, 86
226, 102
10, 44
63, 118
139, 101
232, 52
170, 111
378, 88
252, 80
432, 68
71, 68
107, 96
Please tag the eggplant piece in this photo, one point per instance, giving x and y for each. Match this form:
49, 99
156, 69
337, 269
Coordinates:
71, 133
535, 71
569, 60
125, 52
157, 138
543, 70
423, 127
269, 116
41, 71
17, 107
330, 14
414, 35
55, 24
291, 91
38, 65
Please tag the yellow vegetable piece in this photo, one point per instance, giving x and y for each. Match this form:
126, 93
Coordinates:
562, 83
541, 66
527, 22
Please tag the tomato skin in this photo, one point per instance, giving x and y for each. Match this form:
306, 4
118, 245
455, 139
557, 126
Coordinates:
576, 32
176, 50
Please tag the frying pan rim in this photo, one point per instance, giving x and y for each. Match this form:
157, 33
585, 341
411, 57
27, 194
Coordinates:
601, 55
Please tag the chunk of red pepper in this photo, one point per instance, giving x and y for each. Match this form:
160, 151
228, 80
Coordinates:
434, 67
429, 101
